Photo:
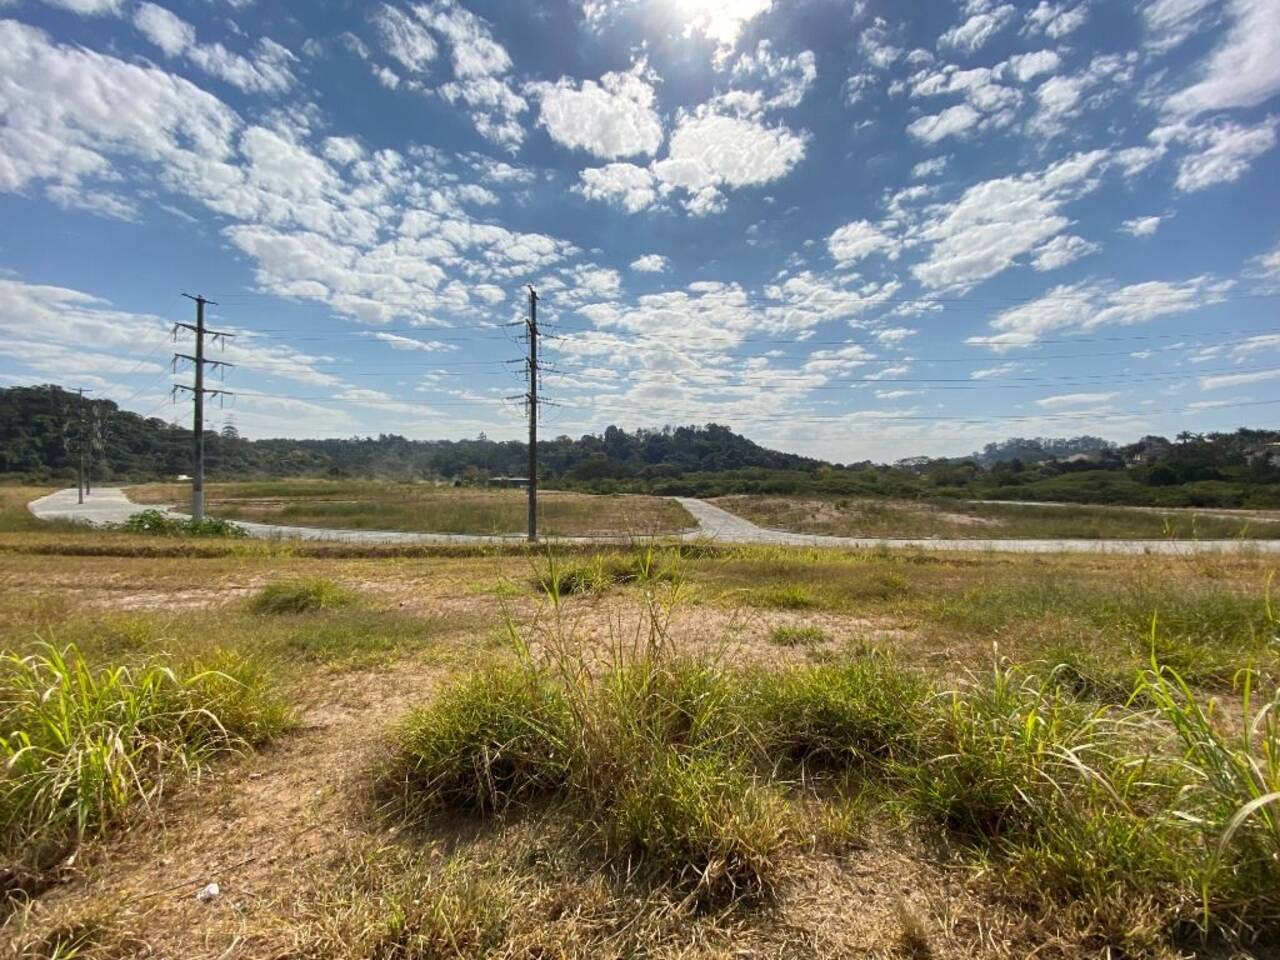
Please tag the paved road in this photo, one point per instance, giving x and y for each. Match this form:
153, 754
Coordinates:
110, 505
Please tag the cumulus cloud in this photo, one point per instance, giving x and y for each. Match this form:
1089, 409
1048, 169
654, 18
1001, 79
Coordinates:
628, 186
1056, 20
493, 105
781, 81
952, 122
710, 151
612, 118
984, 22
1141, 226
1062, 250
929, 168
877, 46
405, 38
1222, 152
858, 240
1028, 66
651, 263
997, 221
268, 71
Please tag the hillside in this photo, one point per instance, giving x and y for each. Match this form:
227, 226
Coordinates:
39, 436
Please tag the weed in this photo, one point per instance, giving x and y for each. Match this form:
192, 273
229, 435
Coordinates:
792, 596
497, 737
157, 523
301, 596
791, 636
82, 746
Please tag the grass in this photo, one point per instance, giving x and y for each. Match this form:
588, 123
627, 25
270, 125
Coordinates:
426, 508
639, 768
882, 518
798, 636
302, 596
82, 746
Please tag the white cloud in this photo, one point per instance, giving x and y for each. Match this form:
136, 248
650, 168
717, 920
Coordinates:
609, 119
1237, 379
1141, 226
1056, 20
651, 263
858, 240
723, 22
1028, 66
1243, 70
995, 372
929, 168
397, 342
951, 122
978, 28
783, 80
631, 187
877, 46
1076, 308
1062, 250
269, 71
404, 38
1064, 97
1075, 400
1224, 152
996, 221
88, 7
710, 150
475, 52
1170, 22
494, 107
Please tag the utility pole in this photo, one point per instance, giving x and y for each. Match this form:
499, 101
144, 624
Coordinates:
533, 415
80, 445
198, 393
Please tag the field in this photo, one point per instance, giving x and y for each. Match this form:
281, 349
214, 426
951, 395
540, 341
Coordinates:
852, 517
701, 751
424, 508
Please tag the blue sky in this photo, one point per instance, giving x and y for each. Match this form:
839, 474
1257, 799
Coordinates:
849, 229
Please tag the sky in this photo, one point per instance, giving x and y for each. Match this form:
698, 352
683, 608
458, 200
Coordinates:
846, 228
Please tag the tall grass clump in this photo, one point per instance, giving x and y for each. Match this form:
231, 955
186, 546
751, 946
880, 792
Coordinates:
645, 566
81, 745
302, 596
1230, 795
649, 749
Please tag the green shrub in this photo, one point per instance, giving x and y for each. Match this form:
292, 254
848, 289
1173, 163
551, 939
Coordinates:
80, 745
301, 596
158, 523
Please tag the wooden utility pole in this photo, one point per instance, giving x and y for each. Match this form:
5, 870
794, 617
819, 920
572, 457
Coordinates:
533, 415
198, 393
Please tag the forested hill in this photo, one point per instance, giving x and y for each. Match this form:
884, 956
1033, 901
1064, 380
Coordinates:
40, 430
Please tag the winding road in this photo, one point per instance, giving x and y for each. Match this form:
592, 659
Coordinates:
112, 505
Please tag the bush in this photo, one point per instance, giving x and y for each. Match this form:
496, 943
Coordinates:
158, 523
83, 745
301, 596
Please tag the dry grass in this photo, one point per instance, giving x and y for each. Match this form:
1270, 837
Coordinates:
426, 508
958, 519
309, 868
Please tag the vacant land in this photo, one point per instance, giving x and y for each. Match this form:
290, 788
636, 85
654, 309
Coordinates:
697, 751
848, 517
425, 508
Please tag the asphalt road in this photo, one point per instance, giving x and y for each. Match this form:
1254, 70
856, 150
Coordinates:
110, 505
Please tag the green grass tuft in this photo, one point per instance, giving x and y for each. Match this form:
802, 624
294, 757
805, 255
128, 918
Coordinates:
81, 746
792, 636
302, 596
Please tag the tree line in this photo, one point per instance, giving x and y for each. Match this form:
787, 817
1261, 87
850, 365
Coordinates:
39, 438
